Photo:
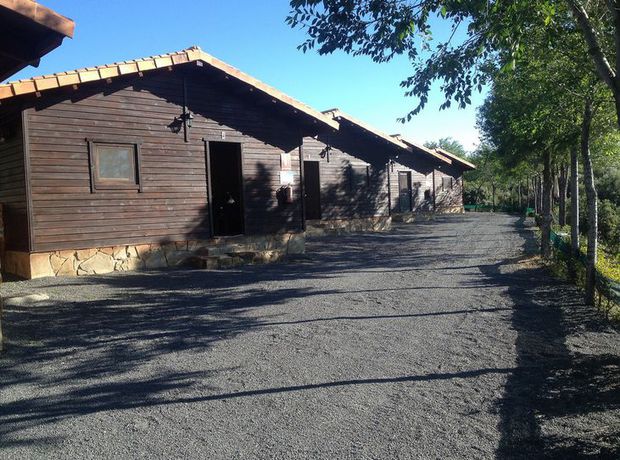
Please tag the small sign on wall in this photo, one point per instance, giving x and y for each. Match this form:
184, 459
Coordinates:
285, 161
287, 177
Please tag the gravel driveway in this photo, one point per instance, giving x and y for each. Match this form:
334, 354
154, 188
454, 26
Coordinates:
435, 340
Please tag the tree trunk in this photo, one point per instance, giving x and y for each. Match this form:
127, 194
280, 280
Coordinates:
547, 218
574, 200
535, 193
591, 199
493, 192
606, 73
539, 195
555, 188
562, 186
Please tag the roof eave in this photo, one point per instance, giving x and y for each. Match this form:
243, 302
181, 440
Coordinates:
137, 66
467, 165
338, 114
426, 150
41, 15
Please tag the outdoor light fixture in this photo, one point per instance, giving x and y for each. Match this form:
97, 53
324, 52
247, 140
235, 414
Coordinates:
392, 162
187, 117
325, 152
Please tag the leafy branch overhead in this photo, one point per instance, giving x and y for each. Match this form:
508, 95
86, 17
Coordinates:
486, 36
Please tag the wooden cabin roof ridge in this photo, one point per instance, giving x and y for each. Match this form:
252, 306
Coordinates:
192, 54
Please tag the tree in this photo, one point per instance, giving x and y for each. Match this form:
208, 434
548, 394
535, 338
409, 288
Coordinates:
495, 29
490, 173
532, 114
588, 175
448, 144
542, 109
574, 197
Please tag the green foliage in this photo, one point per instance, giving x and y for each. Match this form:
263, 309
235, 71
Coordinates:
564, 266
540, 57
608, 183
609, 225
485, 36
448, 144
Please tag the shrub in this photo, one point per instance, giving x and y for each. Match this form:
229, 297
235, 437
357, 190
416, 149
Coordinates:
609, 225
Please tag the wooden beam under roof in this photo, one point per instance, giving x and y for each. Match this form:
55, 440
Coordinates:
28, 31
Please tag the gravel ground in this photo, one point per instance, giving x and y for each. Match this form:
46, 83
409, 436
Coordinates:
436, 340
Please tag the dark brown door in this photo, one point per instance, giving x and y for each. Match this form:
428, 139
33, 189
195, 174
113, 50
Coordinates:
312, 189
404, 190
226, 187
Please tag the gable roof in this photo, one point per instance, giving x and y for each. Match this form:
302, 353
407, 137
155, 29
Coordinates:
338, 115
37, 85
419, 147
457, 159
28, 31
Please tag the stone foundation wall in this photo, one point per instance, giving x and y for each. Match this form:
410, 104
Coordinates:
96, 261
450, 209
337, 226
408, 217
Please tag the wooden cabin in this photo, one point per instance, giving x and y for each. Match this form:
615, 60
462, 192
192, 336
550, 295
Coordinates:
444, 178
450, 183
143, 163
359, 178
181, 157
28, 31
346, 177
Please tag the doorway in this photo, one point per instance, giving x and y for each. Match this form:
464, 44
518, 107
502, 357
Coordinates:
225, 176
404, 191
312, 190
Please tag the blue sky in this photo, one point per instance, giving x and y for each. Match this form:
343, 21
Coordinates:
253, 36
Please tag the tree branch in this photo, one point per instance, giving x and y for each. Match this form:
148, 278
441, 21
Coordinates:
606, 73
614, 8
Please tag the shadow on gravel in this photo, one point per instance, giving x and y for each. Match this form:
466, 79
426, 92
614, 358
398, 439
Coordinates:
555, 391
78, 356
71, 357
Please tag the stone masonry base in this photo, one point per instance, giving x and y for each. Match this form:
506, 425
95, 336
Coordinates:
221, 252
337, 226
450, 209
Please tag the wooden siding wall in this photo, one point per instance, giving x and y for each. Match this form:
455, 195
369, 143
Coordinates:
338, 199
421, 180
348, 148
173, 205
451, 198
12, 180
